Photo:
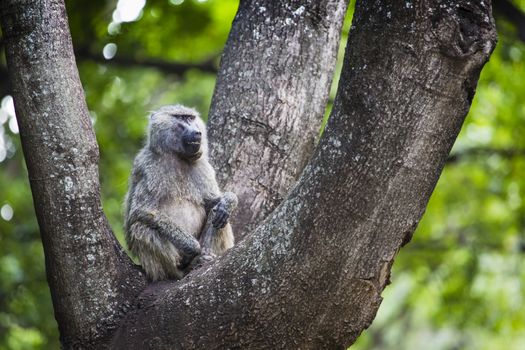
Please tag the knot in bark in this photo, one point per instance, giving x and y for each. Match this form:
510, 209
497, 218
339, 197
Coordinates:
464, 29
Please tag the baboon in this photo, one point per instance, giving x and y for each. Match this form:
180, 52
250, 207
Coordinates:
176, 218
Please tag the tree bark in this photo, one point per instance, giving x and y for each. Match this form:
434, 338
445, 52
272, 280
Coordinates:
90, 276
311, 275
270, 98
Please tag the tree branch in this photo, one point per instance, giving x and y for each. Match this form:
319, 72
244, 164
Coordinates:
84, 54
484, 152
270, 98
312, 274
90, 276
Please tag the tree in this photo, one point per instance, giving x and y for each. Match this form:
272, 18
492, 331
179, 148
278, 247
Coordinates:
311, 274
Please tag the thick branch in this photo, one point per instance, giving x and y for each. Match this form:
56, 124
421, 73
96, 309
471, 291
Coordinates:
88, 272
270, 98
311, 275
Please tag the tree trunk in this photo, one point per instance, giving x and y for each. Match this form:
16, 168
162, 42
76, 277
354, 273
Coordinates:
270, 98
311, 275
90, 276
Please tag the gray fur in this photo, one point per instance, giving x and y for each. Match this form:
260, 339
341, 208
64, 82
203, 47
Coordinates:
173, 198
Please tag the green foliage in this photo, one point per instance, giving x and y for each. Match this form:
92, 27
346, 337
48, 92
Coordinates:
457, 285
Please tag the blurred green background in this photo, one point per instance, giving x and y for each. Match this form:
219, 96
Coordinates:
458, 285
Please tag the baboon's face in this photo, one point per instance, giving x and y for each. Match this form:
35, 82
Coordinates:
188, 136
179, 132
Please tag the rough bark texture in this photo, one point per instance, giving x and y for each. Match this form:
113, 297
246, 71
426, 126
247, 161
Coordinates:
90, 277
270, 98
310, 277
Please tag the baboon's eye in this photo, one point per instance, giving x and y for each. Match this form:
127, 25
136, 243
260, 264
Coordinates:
185, 117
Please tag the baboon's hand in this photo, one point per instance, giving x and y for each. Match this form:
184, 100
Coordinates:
199, 261
203, 259
188, 253
190, 248
220, 215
